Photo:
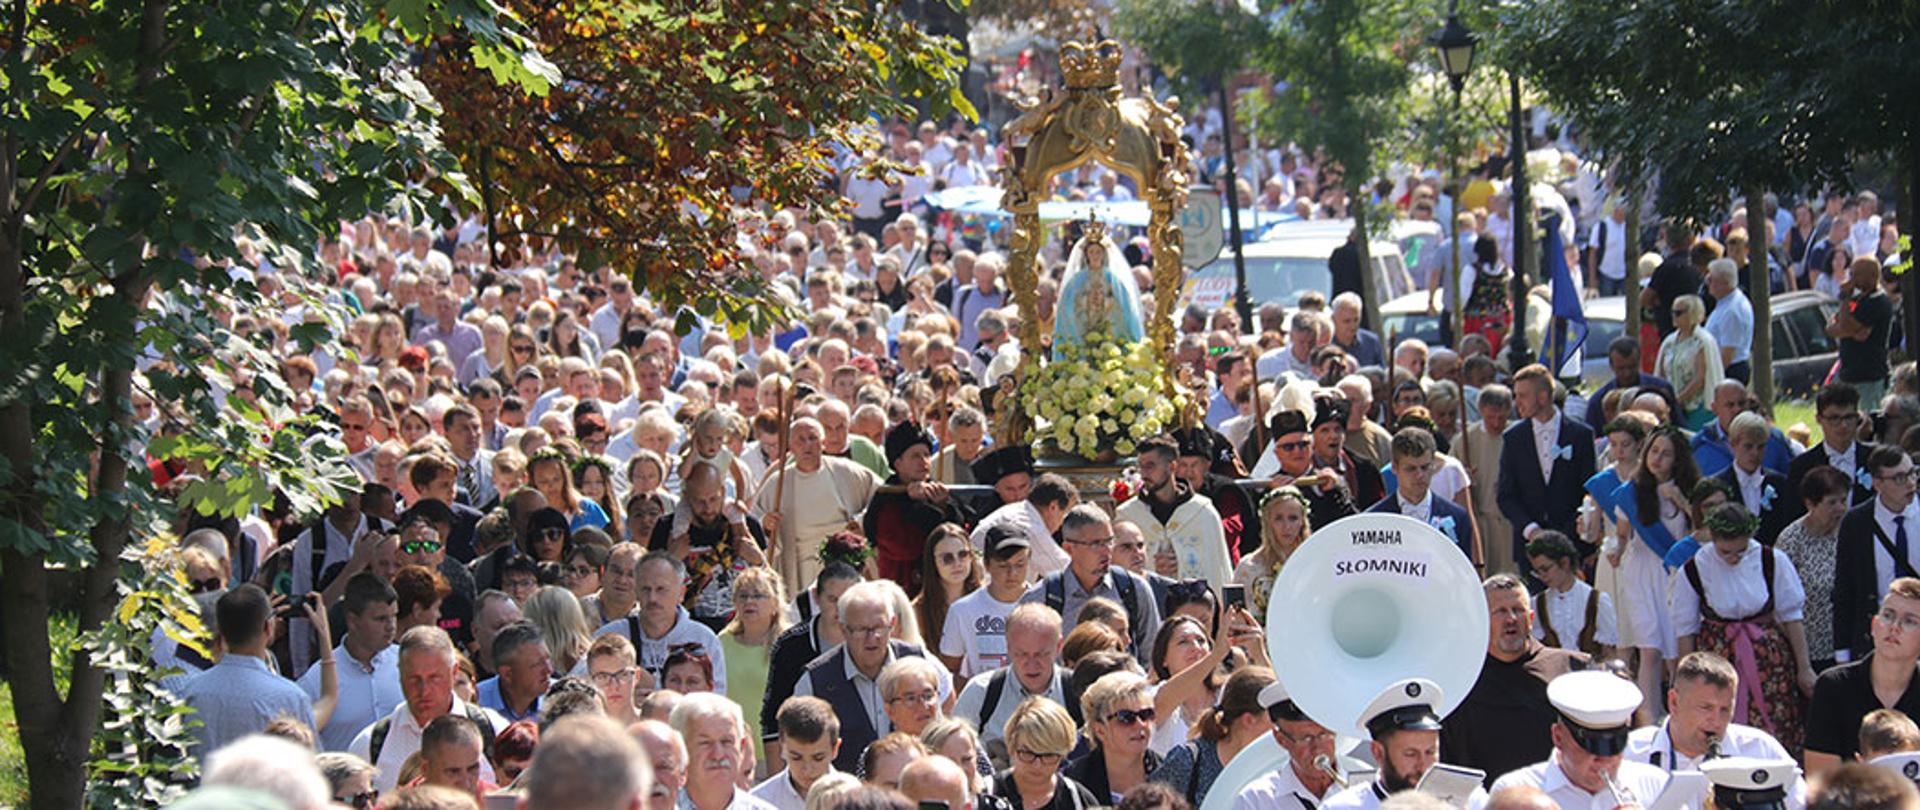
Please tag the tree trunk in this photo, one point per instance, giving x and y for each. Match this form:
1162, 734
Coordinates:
1910, 297
1632, 294
56, 732
1369, 294
1761, 384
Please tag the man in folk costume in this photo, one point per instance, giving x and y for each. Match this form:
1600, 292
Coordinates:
1199, 465
898, 523
809, 499
1176, 522
1328, 499
1009, 470
1329, 451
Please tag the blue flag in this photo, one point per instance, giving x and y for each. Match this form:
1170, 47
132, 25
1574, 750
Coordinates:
1568, 330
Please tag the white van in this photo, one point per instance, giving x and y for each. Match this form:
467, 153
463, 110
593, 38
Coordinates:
1291, 258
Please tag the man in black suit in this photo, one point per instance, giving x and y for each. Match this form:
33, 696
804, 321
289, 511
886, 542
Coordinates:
1545, 461
1837, 406
1414, 463
1764, 492
1874, 548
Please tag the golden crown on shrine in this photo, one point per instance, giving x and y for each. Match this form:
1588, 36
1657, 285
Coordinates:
1091, 65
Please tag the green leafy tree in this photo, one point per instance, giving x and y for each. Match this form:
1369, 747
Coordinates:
142, 138
665, 115
1348, 69
1710, 103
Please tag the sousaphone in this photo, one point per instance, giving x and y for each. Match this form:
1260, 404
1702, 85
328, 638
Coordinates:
1364, 602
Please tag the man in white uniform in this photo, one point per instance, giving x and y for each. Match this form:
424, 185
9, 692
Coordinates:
1404, 721
1587, 770
1699, 726
1299, 784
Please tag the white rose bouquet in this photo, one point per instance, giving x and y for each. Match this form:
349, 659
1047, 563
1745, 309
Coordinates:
1099, 395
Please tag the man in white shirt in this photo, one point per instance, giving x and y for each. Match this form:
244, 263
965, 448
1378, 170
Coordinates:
989, 698
426, 679
1300, 784
605, 321
1573, 615
1698, 726
1039, 516
714, 729
662, 623
974, 638
1607, 272
1586, 770
809, 740
367, 662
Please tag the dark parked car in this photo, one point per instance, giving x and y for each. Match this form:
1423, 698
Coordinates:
1802, 351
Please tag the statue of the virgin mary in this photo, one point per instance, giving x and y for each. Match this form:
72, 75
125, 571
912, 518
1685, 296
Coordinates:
1098, 294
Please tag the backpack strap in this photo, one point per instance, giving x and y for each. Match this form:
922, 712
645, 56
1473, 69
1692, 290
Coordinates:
479, 718
996, 686
380, 729
1055, 593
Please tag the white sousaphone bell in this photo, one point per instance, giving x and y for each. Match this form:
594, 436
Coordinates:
1364, 602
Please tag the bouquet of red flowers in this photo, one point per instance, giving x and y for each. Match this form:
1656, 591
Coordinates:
848, 546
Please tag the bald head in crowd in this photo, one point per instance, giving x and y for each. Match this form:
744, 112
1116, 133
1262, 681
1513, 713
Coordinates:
586, 762
936, 779
1521, 797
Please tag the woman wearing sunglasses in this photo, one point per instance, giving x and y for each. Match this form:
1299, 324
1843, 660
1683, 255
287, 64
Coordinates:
349, 780
1038, 736
1120, 723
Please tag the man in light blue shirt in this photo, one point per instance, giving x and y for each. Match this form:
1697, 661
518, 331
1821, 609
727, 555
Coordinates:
367, 662
1731, 323
240, 695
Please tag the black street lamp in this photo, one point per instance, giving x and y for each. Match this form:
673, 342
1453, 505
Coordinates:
1455, 44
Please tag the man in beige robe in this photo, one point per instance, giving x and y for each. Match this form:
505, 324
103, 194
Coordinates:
821, 495
1482, 457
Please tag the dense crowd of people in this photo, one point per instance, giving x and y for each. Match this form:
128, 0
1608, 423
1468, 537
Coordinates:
593, 562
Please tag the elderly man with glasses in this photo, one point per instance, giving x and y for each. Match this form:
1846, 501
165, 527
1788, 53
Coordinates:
848, 677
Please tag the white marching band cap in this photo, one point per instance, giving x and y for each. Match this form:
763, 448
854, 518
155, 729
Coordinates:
1905, 763
1749, 781
1594, 699
1407, 705
1596, 707
1273, 695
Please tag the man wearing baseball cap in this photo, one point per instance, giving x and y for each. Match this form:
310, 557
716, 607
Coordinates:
974, 638
1587, 768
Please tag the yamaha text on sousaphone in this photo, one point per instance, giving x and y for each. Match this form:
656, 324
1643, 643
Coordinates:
1364, 602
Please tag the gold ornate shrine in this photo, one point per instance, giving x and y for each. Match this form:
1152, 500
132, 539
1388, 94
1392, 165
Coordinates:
1138, 137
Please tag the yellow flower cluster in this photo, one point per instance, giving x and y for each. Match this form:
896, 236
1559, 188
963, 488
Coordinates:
1098, 394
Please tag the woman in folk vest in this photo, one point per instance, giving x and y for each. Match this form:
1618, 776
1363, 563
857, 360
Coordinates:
1572, 614
1744, 601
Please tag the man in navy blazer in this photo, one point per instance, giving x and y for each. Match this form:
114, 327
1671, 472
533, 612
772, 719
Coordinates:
1414, 463
1545, 461
1764, 492
1842, 445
